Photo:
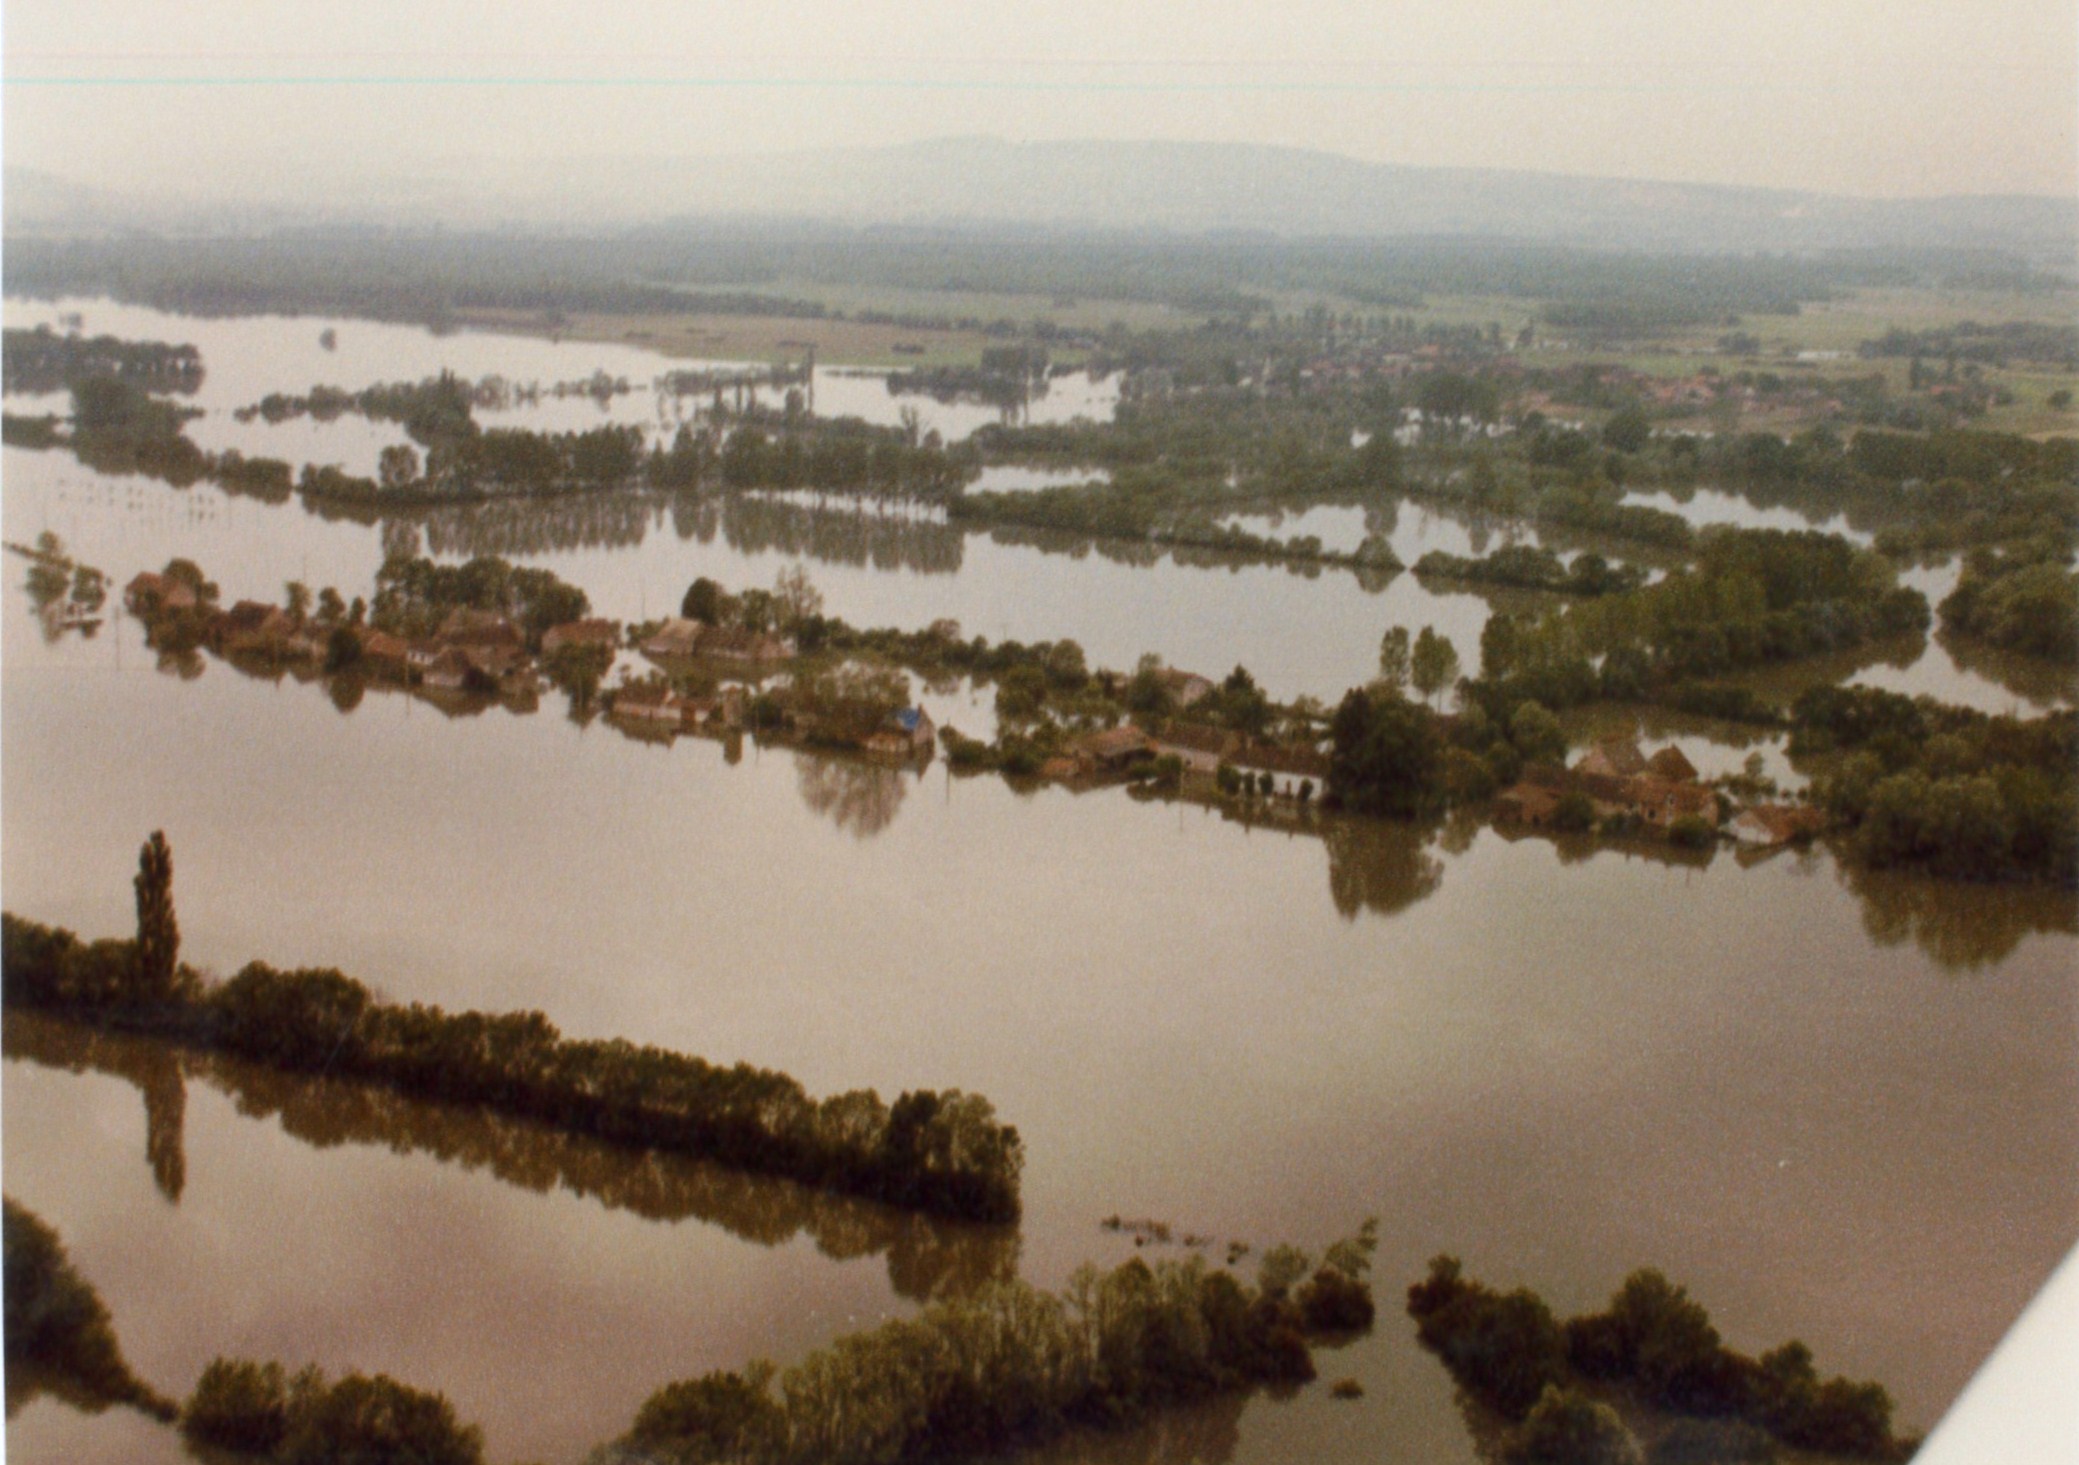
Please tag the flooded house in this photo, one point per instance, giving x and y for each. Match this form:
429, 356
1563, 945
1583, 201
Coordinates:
603, 633
1113, 750
150, 594
905, 733
1766, 826
1201, 749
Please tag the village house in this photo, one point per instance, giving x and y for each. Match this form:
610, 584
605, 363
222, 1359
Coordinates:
150, 594
581, 633
750, 648
1529, 804
1670, 763
445, 668
1765, 826
1613, 758
648, 702
466, 627
419, 657
1656, 792
309, 641
383, 652
676, 637
505, 667
1201, 749
905, 733
1111, 751
1660, 803
251, 628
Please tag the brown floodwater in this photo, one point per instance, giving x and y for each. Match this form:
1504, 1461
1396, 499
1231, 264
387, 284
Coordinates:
1837, 1106
1299, 629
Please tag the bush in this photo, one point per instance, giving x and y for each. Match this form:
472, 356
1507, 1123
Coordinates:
714, 1418
1505, 1350
1574, 813
1565, 1428
1333, 1302
364, 1419
238, 1405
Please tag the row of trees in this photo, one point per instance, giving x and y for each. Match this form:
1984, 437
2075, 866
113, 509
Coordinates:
941, 1152
258, 1410
1512, 1354
1528, 567
41, 360
414, 594
1015, 1366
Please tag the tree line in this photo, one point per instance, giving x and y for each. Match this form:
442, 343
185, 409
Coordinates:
940, 1152
1013, 1366
40, 360
926, 1257
1509, 1352
259, 1410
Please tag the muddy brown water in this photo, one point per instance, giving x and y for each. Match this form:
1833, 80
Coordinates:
1836, 1106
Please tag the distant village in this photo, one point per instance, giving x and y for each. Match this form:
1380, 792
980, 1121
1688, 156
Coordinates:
711, 680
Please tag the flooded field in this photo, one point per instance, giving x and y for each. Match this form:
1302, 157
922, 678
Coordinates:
1837, 1106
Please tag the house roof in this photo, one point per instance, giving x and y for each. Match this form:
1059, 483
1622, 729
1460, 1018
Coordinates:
1784, 821
1196, 738
1620, 756
676, 635
481, 627
1115, 740
1669, 763
589, 632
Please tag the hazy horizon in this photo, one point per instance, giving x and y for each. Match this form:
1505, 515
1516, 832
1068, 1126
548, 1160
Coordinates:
1860, 99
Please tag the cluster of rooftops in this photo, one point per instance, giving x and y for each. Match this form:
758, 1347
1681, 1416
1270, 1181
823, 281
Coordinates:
1620, 781
484, 651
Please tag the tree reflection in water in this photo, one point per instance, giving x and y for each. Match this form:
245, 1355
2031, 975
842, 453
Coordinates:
1380, 865
859, 797
842, 533
1204, 1433
2041, 683
521, 528
1961, 927
927, 1258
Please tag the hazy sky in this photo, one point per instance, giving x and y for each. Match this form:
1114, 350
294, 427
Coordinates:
1882, 97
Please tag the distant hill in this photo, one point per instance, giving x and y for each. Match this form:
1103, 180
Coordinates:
1183, 187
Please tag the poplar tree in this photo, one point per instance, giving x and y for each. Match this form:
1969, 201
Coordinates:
158, 934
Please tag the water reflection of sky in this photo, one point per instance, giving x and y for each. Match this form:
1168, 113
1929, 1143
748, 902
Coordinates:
1707, 506
245, 358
